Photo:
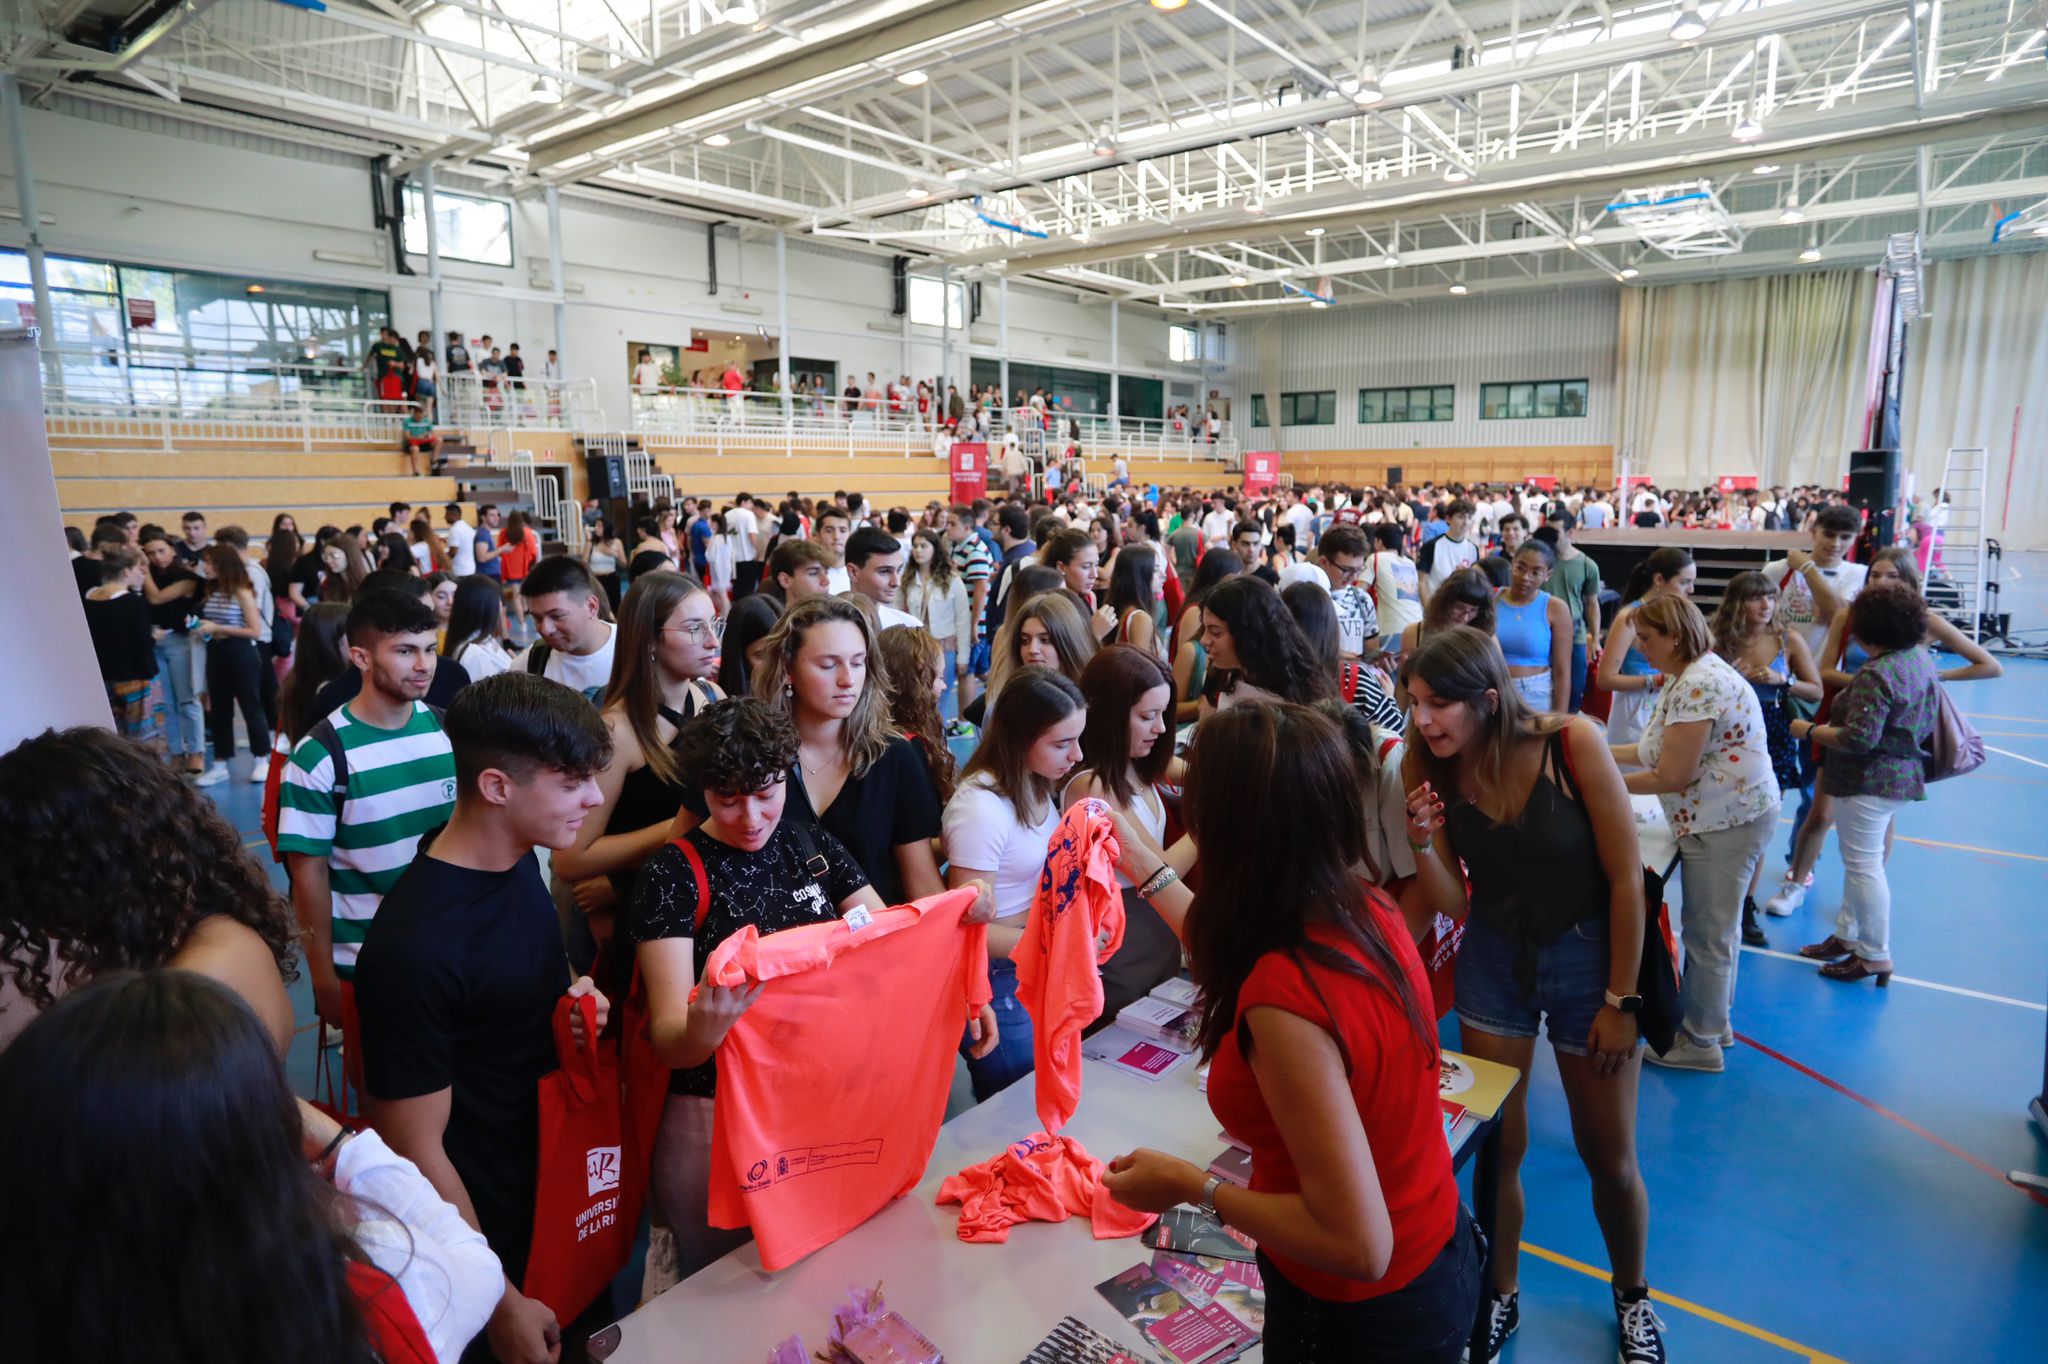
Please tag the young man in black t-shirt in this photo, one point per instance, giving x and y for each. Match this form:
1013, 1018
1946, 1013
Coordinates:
761, 870
457, 982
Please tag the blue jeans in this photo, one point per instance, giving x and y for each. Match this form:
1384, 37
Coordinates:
1578, 676
1011, 1060
1569, 991
182, 732
949, 704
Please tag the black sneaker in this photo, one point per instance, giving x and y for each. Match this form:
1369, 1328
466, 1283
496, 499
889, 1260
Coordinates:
1499, 1315
1642, 1330
1752, 930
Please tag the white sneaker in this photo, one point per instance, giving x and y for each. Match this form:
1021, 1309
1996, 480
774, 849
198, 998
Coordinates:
212, 776
1787, 897
259, 773
1686, 1054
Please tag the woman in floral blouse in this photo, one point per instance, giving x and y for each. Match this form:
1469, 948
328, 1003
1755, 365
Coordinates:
1706, 756
1873, 767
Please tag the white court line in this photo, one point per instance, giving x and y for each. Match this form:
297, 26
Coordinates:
2016, 756
1910, 980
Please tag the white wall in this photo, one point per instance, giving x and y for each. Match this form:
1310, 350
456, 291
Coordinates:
1459, 341
146, 189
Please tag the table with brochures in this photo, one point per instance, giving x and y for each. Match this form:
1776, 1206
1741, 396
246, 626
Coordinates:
981, 1304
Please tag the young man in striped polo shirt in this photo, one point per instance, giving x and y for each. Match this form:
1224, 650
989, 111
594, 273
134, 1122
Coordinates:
362, 787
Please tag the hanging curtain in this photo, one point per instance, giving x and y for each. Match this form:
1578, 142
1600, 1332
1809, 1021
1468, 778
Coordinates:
1760, 376
1977, 375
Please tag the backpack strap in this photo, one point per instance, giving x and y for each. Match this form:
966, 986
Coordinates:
1347, 679
1387, 745
807, 848
329, 739
537, 658
703, 878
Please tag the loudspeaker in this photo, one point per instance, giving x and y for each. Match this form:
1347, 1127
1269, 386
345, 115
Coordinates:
1394, 475
607, 476
1874, 491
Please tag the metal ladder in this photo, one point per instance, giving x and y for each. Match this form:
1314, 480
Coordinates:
1956, 562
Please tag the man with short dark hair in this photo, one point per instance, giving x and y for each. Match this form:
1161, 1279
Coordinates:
974, 564
575, 644
797, 571
85, 569
1245, 537
874, 562
1018, 544
1449, 552
830, 530
193, 547
745, 529
1574, 580
461, 973
462, 541
1341, 555
362, 786
450, 677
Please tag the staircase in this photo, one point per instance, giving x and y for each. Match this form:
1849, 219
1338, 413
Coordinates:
1955, 567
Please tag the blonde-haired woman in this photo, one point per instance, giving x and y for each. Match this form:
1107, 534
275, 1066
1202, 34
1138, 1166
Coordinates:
662, 671
857, 777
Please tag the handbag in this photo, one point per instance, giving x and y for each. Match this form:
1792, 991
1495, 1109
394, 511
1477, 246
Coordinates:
1953, 748
1657, 978
581, 1236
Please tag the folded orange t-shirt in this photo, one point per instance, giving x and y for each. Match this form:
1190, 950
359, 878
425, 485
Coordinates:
831, 1087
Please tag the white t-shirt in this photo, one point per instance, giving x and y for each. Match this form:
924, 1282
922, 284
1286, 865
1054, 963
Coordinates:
741, 525
423, 557
1397, 592
980, 829
1216, 528
1795, 598
588, 673
1298, 517
1447, 558
837, 580
1644, 501
483, 658
647, 376
889, 615
462, 548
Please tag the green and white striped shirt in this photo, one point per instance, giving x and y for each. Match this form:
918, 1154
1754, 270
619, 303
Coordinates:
401, 784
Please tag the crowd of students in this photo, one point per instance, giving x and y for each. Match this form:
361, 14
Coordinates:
473, 830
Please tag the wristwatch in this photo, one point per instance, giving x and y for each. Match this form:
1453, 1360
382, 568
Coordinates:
1628, 1004
1208, 1202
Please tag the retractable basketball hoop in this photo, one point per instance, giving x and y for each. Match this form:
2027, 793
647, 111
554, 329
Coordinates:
1683, 221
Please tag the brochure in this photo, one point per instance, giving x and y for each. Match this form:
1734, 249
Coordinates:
1186, 1231
1180, 1331
1073, 1341
1205, 1279
1479, 1085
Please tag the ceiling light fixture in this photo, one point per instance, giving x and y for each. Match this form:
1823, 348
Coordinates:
1688, 27
1255, 206
1460, 289
1393, 260
1318, 303
1456, 175
254, 289
1767, 168
1239, 281
1105, 142
1793, 213
1583, 237
1812, 251
1151, 255
718, 140
544, 91
741, 12
1315, 231
1366, 92
1628, 272
1747, 130
917, 192
1169, 4
914, 76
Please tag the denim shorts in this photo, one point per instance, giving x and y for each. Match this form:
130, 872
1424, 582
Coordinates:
1571, 984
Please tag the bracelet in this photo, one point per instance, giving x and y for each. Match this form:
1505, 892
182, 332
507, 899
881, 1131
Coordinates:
339, 1137
1427, 845
1158, 881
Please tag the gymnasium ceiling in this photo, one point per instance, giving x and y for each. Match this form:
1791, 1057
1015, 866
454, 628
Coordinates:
1222, 157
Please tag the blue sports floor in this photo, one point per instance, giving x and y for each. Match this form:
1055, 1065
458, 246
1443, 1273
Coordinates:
1839, 1193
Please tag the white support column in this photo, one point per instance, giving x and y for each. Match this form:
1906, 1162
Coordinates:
945, 332
1003, 339
782, 343
556, 279
1115, 412
433, 267
32, 223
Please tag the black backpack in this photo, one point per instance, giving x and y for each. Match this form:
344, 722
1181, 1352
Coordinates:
329, 739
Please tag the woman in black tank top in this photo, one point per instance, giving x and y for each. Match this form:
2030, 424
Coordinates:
1534, 812
666, 654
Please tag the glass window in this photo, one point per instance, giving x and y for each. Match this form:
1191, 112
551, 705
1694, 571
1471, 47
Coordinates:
1442, 405
1259, 410
927, 308
1372, 405
1183, 344
1539, 398
1308, 409
1397, 404
1432, 404
465, 228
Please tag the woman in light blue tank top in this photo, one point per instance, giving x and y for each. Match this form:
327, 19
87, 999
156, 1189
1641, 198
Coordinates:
1624, 673
1534, 629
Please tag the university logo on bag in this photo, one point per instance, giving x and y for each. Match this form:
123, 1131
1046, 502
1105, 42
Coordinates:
601, 1168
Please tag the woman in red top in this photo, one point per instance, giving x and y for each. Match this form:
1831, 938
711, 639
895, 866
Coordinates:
1316, 1019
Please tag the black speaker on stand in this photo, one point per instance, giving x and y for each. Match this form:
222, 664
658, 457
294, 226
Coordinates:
1874, 491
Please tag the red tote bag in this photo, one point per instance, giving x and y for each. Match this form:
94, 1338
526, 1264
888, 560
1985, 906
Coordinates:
581, 1237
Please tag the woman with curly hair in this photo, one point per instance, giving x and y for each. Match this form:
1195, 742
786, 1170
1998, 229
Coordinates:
858, 778
1256, 651
167, 884
914, 670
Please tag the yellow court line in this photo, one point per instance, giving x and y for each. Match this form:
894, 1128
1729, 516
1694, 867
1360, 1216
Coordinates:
1813, 1356
1970, 848
260, 841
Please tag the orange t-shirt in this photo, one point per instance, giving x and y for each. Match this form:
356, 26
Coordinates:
832, 1086
515, 561
1059, 977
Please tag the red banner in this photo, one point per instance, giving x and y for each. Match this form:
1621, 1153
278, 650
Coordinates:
1735, 483
970, 472
1261, 471
1547, 482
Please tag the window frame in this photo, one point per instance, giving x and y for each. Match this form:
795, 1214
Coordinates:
1190, 353
1323, 407
416, 194
1436, 398
1525, 399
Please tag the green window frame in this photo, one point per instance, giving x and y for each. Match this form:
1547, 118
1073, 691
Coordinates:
1309, 409
1534, 400
1259, 410
1418, 403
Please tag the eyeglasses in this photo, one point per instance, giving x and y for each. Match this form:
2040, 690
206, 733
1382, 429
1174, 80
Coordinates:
702, 631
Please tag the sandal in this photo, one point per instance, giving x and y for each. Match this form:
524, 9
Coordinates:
1830, 948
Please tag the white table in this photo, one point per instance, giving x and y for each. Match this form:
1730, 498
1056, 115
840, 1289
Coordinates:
1654, 837
981, 1304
